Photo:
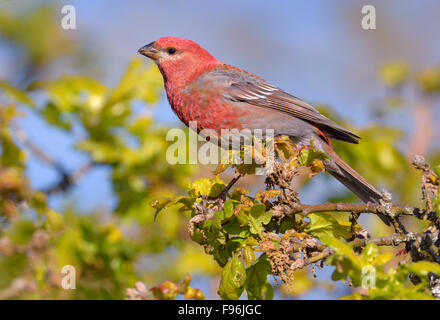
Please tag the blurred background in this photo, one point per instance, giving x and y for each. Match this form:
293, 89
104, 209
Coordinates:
83, 151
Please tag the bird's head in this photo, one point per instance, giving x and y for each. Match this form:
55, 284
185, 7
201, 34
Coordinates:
177, 57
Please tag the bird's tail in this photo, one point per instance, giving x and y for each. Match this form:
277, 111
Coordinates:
351, 179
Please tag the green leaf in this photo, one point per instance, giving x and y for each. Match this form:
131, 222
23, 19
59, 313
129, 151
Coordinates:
257, 285
285, 148
422, 268
394, 74
236, 228
341, 248
382, 259
233, 279
161, 204
53, 115
310, 154
140, 81
219, 216
258, 216
140, 126
429, 80
69, 93
437, 170
248, 255
225, 215
15, 94
229, 207
206, 187
323, 223
54, 220
371, 255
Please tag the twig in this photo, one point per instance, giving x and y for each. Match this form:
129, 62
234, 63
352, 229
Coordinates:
395, 210
68, 179
397, 239
24, 139
327, 252
18, 286
430, 184
353, 220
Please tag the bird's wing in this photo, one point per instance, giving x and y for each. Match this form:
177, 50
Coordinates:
241, 86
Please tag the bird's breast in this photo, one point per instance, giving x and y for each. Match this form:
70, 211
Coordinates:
206, 111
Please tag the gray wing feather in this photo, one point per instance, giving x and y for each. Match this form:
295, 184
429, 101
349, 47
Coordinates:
245, 87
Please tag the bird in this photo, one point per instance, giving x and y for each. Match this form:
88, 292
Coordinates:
220, 96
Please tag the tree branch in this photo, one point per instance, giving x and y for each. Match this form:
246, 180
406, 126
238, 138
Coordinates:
397, 239
68, 179
396, 210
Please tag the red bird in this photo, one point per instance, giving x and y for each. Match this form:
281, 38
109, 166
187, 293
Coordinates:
220, 96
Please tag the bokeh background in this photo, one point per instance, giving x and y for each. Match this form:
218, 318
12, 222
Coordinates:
382, 83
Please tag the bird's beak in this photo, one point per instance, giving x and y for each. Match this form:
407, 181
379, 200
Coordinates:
149, 51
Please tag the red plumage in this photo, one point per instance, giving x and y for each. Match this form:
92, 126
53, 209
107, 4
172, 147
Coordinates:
220, 96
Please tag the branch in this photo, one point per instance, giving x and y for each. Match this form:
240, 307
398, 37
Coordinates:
397, 239
24, 139
395, 210
284, 261
68, 180
18, 286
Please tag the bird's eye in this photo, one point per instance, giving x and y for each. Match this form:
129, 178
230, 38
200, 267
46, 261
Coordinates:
171, 51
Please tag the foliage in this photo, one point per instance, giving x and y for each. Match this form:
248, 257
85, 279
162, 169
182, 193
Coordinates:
98, 249
253, 237
105, 248
367, 270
